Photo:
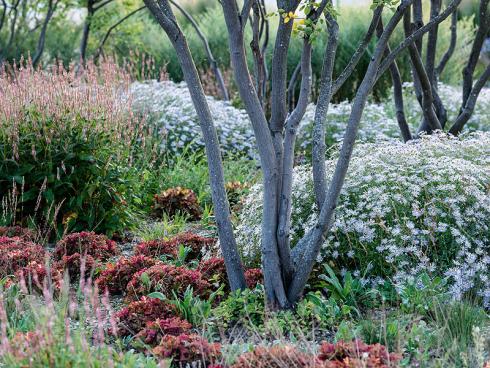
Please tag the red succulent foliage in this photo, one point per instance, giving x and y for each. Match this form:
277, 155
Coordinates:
356, 354
17, 231
156, 248
154, 331
76, 264
253, 276
213, 270
276, 357
115, 277
35, 274
177, 200
196, 243
170, 247
16, 253
97, 246
26, 344
184, 349
134, 317
166, 278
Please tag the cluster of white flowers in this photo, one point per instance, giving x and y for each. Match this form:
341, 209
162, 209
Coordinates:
404, 209
379, 119
169, 107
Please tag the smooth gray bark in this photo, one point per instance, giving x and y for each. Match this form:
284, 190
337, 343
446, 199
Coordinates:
430, 55
397, 92
42, 36
274, 285
425, 84
416, 36
452, 45
480, 36
327, 90
467, 111
212, 61
259, 59
324, 98
292, 123
361, 49
167, 21
309, 246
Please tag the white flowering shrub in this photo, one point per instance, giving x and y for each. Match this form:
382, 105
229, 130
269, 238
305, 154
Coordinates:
379, 119
168, 107
404, 209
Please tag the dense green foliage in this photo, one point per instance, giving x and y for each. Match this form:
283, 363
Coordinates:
139, 37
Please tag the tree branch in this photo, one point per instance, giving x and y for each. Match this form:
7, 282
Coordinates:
111, 28
274, 284
397, 92
13, 23
415, 36
42, 36
425, 84
257, 53
361, 49
212, 61
452, 45
166, 19
306, 251
288, 161
323, 102
101, 5
247, 6
430, 55
466, 113
481, 33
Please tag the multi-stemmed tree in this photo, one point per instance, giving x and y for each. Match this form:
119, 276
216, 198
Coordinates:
287, 267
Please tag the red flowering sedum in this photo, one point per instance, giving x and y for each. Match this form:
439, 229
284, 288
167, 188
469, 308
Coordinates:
276, 357
356, 354
134, 317
154, 331
157, 248
16, 253
213, 270
115, 277
177, 200
166, 279
86, 243
76, 264
253, 276
26, 344
186, 348
17, 231
35, 275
